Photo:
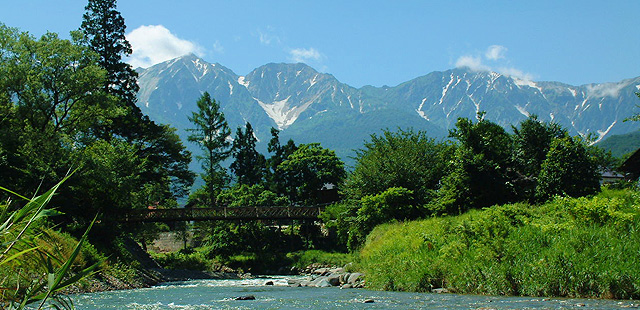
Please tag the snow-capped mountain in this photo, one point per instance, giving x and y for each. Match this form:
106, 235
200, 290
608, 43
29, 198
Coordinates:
310, 106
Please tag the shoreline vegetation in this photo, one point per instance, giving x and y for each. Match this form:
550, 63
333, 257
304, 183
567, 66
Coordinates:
567, 247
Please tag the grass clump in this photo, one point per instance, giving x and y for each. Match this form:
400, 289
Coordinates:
568, 247
302, 259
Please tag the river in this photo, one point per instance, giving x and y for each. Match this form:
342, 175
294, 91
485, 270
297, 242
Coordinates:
220, 294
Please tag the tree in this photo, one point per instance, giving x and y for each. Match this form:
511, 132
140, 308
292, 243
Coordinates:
568, 169
405, 159
211, 133
248, 165
278, 179
311, 168
480, 170
104, 28
54, 99
531, 143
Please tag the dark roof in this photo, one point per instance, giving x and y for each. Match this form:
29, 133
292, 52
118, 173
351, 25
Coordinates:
631, 166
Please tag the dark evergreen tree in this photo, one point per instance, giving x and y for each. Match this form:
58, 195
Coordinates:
211, 133
277, 178
248, 166
104, 29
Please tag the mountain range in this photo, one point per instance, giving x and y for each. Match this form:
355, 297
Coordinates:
309, 106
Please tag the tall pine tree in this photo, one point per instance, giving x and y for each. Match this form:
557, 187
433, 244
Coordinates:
104, 29
248, 165
211, 133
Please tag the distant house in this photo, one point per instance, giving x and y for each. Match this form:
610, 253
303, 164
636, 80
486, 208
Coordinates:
631, 167
609, 176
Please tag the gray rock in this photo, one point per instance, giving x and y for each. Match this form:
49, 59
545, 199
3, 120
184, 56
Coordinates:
321, 282
268, 282
334, 279
440, 290
354, 277
344, 277
346, 286
246, 297
368, 301
336, 270
321, 271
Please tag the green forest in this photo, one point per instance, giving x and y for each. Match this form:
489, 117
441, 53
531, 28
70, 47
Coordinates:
488, 210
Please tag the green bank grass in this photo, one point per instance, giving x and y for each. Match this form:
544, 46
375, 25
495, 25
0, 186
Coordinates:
569, 247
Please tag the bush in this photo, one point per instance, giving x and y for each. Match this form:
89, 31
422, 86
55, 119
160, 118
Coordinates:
353, 220
302, 259
182, 260
569, 247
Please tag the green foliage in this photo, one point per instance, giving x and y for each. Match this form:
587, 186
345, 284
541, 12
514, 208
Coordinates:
405, 159
182, 260
354, 219
36, 263
621, 145
243, 195
248, 165
568, 247
302, 259
568, 169
278, 179
480, 171
210, 132
104, 29
311, 167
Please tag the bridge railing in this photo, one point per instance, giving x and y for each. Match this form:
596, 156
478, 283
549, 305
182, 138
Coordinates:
223, 213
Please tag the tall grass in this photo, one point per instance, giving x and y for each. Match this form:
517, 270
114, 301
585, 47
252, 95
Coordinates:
569, 247
35, 268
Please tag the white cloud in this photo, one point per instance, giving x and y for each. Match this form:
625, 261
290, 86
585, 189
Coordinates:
515, 73
267, 37
495, 52
154, 44
305, 54
605, 89
471, 62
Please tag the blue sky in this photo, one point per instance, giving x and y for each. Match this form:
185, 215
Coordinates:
374, 42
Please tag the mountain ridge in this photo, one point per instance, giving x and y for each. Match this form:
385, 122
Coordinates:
310, 106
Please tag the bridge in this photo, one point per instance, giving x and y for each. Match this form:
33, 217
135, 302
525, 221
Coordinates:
222, 213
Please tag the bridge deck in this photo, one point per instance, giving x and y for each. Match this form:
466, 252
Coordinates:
223, 213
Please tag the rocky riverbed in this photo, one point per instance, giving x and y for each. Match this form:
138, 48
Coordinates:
327, 277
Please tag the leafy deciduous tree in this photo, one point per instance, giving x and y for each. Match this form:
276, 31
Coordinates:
311, 168
568, 169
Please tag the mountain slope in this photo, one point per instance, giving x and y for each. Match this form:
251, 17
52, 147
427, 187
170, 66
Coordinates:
310, 106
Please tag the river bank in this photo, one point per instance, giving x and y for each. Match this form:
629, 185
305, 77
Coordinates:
568, 247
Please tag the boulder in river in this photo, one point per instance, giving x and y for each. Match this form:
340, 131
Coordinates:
246, 297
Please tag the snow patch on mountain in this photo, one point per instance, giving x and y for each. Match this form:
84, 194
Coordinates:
423, 115
242, 82
522, 111
280, 112
230, 88
201, 67
603, 133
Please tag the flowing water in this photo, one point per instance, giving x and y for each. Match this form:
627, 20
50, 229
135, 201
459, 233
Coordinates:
221, 294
